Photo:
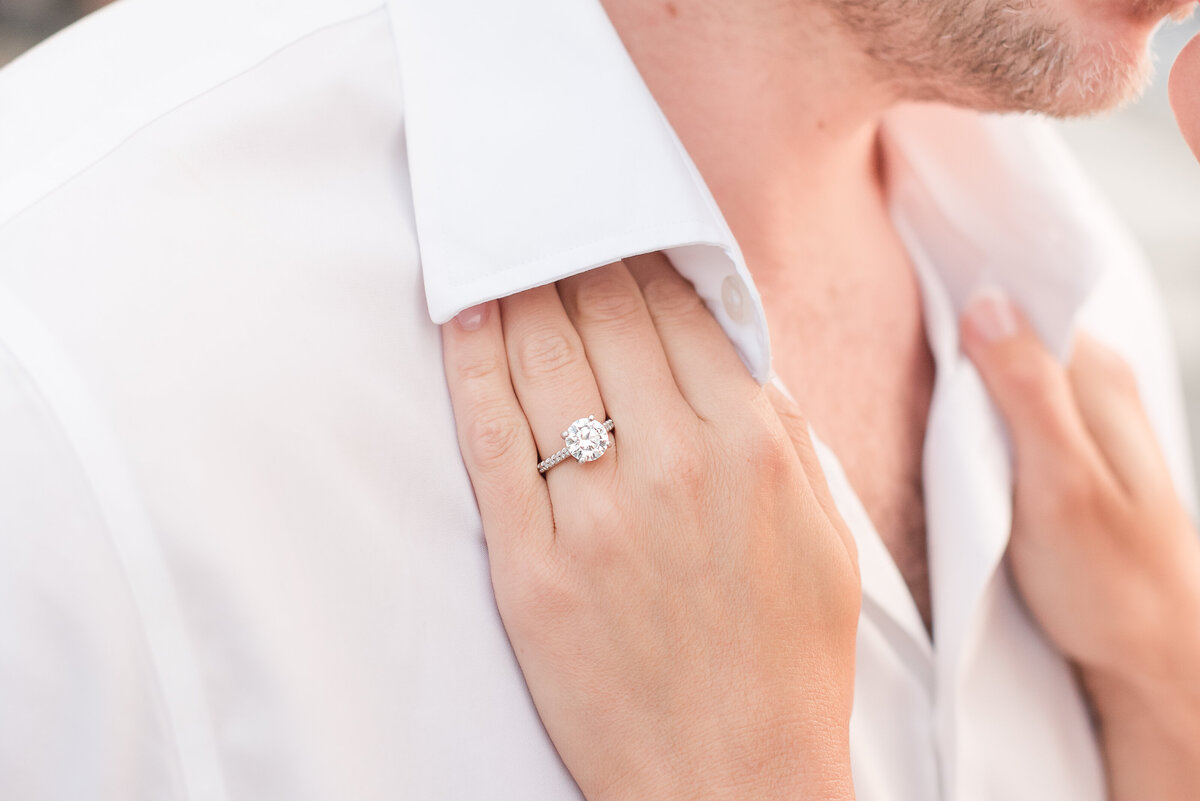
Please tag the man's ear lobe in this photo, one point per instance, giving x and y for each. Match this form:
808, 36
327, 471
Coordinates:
1184, 89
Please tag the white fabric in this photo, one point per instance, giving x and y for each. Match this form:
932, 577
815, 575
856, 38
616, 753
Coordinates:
239, 554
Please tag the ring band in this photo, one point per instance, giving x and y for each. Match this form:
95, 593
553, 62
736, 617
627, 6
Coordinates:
586, 439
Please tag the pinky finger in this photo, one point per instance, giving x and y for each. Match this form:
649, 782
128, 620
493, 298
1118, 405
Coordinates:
494, 436
797, 429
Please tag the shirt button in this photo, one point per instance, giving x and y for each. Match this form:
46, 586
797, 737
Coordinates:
733, 297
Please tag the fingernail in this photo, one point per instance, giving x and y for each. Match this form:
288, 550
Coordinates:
990, 313
471, 318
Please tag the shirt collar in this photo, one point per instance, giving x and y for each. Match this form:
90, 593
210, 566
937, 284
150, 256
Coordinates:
536, 152
981, 200
999, 200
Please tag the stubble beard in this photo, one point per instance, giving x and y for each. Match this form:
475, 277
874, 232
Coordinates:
1009, 55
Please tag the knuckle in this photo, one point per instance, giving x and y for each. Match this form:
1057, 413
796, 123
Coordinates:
1078, 495
597, 512
670, 300
540, 592
492, 438
603, 297
546, 353
544, 582
1040, 390
769, 451
482, 368
1030, 376
610, 546
680, 463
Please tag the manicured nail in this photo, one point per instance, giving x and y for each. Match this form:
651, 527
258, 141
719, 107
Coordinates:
991, 314
472, 318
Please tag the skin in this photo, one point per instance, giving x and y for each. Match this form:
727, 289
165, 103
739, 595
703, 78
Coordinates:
1102, 550
646, 597
783, 126
1184, 89
794, 167
592, 571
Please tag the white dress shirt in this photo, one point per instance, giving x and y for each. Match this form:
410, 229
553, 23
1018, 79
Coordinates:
240, 557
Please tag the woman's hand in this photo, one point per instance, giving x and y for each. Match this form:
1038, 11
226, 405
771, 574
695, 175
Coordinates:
684, 608
1102, 550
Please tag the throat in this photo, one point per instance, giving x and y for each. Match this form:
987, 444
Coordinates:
854, 354
781, 116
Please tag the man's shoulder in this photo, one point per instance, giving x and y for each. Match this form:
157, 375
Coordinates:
249, 187
84, 92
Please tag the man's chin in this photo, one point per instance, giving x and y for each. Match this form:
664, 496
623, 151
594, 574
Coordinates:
1105, 89
1091, 80
1104, 80
1063, 58
1115, 66
1060, 101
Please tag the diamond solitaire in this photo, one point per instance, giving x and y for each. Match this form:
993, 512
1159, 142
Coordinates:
586, 439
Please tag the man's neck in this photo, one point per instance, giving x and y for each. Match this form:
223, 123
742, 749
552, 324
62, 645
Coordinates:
774, 108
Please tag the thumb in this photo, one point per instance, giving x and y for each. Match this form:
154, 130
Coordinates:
1027, 384
1184, 89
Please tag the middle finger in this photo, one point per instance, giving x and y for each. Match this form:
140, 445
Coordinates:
625, 351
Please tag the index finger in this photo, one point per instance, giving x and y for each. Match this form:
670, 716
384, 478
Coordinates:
494, 436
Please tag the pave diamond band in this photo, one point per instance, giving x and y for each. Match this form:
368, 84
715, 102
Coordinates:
586, 439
